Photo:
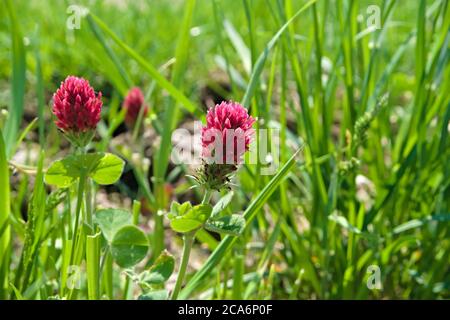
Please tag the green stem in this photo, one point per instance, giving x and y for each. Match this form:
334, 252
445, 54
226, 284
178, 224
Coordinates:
89, 219
107, 273
136, 212
138, 125
188, 240
93, 265
126, 288
207, 196
158, 237
80, 199
81, 184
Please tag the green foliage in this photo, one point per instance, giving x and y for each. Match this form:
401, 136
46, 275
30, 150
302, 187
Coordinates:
111, 220
154, 295
231, 225
103, 168
129, 246
249, 214
17, 81
185, 218
152, 281
4, 218
92, 265
159, 272
222, 204
368, 106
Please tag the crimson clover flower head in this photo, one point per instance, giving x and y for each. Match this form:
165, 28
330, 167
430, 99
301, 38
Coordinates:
134, 102
77, 109
227, 134
225, 139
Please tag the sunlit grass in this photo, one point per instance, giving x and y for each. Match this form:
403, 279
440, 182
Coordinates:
367, 107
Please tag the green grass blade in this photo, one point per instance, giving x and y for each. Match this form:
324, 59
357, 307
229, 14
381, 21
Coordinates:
92, 265
151, 70
99, 35
4, 217
24, 133
40, 91
238, 44
218, 17
35, 227
170, 121
17, 82
257, 70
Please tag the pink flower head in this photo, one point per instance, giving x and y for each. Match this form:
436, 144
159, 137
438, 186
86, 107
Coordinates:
134, 102
76, 106
227, 134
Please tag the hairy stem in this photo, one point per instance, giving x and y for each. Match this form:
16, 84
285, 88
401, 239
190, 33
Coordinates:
207, 196
188, 240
